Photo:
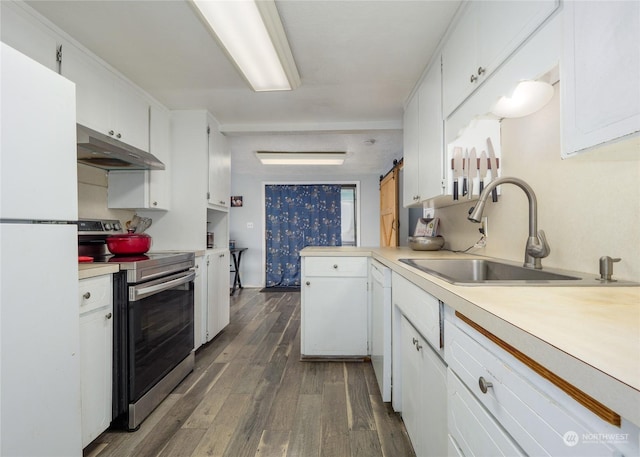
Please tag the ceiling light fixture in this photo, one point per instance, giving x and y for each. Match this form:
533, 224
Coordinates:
252, 35
300, 158
527, 98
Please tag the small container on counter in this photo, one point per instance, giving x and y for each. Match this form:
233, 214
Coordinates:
232, 244
210, 240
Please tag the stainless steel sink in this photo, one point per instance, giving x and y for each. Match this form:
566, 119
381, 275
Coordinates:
490, 272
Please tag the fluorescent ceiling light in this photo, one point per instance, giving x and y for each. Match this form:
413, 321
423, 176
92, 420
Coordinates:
252, 35
527, 98
301, 158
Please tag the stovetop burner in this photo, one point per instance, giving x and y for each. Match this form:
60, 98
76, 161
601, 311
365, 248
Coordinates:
92, 235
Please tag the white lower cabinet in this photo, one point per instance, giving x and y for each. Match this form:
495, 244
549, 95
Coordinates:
200, 302
473, 430
424, 399
216, 312
334, 306
96, 355
500, 406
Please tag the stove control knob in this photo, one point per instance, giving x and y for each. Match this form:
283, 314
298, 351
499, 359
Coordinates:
117, 226
107, 226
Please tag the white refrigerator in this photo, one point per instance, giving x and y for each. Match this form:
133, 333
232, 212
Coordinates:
39, 316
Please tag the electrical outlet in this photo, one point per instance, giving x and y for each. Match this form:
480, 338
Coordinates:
484, 226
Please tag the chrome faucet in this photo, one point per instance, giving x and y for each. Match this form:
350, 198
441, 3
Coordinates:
537, 247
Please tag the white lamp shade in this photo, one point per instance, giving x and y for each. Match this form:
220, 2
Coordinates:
527, 98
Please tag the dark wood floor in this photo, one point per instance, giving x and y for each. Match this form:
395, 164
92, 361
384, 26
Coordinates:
250, 395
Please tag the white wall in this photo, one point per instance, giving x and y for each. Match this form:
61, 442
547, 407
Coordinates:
252, 212
588, 206
92, 196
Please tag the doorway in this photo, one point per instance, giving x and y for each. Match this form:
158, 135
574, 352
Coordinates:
300, 215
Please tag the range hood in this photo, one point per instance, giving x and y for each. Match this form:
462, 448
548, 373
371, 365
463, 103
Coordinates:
99, 150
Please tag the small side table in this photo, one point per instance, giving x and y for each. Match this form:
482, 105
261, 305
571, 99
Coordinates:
236, 255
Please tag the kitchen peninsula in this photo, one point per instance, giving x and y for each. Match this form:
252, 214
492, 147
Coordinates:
587, 336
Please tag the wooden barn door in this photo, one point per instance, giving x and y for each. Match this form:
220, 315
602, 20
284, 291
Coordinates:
389, 211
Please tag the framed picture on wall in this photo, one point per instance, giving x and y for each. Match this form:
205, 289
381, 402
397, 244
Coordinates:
236, 200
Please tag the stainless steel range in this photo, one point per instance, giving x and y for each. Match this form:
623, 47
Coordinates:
153, 322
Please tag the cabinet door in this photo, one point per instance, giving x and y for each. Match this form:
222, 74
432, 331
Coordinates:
412, 397
200, 302
222, 292
431, 147
93, 88
96, 360
601, 70
459, 60
159, 146
411, 139
334, 316
219, 168
217, 313
486, 34
129, 114
20, 31
503, 25
472, 427
424, 394
105, 102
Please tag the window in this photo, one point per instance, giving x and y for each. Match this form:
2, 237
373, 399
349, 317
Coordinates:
348, 214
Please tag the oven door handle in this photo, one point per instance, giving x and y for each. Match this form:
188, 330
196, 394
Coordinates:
142, 291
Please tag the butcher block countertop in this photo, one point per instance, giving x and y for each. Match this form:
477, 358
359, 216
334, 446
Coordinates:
90, 270
589, 336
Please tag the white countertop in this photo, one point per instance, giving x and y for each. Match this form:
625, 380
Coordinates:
90, 270
589, 336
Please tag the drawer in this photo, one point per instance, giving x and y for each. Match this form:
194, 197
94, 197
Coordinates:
421, 308
536, 421
472, 428
335, 266
94, 293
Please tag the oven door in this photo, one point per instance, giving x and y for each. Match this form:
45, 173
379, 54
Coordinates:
160, 330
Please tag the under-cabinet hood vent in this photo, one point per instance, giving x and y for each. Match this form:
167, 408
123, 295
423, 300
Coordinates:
99, 150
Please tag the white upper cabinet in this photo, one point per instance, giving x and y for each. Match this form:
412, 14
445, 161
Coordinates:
105, 102
140, 189
219, 168
411, 144
484, 36
423, 140
600, 73
20, 31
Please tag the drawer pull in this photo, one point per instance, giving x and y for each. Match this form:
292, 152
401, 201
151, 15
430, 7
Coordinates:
484, 385
108, 316
308, 283
87, 295
335, 266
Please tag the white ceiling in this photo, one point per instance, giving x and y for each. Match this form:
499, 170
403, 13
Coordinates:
358, 61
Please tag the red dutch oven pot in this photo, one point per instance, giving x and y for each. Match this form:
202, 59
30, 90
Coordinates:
129, 243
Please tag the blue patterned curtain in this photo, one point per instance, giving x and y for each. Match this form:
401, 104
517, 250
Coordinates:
298, 216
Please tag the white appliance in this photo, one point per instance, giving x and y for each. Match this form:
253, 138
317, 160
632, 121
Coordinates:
381, 326
39, 319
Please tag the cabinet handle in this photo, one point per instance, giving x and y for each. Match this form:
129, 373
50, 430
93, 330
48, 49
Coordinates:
484, 385
87, 295
416, 197
473, 78
335, 266
155, 203
481, 70
221, 255
308, 283
418, 347
111, 132
108, 316
222, 202
118, 136
415, 341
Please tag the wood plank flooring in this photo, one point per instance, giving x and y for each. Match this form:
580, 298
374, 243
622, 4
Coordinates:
250, 395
